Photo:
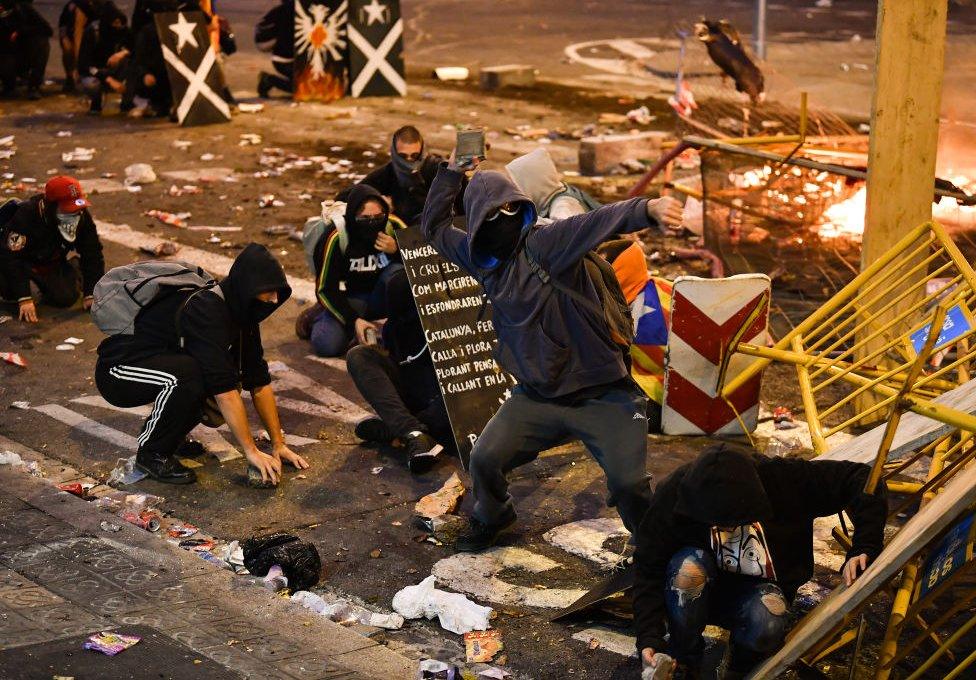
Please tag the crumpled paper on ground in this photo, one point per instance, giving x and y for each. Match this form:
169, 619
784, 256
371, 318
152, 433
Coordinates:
346, 613
455, 612
443, 501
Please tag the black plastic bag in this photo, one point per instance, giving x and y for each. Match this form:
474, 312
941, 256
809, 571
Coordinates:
299, 560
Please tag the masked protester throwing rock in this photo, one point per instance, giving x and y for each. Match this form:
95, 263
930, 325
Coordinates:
37, 242
573, 378
190, 344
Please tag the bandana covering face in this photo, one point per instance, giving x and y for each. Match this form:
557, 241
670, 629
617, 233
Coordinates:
68, 225
743, 551
407, 172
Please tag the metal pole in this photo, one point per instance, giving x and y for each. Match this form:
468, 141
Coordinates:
759, 31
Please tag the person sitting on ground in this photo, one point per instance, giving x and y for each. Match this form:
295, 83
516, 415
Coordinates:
572, 376
191, 346
397, 379
407, 177
24, 47
727, 541
74, 19
147, 92
104, 58
352, 255
275, 33
536, 175
37, 243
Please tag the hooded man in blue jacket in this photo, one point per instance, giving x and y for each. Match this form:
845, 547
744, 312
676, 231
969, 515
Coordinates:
573, 380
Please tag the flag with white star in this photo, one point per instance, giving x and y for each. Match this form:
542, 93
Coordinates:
376, 49
320, 50
195, 75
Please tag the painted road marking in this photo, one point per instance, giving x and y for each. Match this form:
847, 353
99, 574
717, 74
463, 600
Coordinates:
212, 262
88, 426
338, 406
332, 362
586, 537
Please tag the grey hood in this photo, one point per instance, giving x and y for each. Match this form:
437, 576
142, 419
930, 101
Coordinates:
486, 191
536, 175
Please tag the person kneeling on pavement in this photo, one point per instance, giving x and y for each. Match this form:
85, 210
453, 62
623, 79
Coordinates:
727, 541
24, 47
352, 253
105, 51
552, 336
398, 380
36, 243
191, 345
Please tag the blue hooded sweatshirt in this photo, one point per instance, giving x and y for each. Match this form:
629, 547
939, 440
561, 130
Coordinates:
550, 343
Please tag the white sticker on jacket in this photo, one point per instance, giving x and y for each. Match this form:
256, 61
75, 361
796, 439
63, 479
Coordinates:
743, 550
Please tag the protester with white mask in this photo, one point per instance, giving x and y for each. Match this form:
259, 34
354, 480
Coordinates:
39, 239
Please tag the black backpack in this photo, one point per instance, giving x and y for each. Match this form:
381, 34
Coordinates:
613, 306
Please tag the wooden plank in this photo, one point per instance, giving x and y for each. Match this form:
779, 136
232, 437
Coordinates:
955, 498
914, 431
904, 135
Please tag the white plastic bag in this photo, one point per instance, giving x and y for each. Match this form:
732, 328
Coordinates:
455, 613
139, 173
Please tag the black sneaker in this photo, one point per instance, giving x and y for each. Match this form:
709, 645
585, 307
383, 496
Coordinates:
264, 85
374, 430
423, 451
190, 448
167, 471
480, 536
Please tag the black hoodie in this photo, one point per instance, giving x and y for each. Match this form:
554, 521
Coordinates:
359, 265
222, 334
732, 486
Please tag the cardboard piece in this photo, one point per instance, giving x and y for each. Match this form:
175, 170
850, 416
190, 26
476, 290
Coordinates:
706, 315
195, 76
450, 303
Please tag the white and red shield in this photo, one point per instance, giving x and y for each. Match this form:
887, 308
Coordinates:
706, 316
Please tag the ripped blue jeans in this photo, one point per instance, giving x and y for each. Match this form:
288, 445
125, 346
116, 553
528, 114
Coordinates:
698, 594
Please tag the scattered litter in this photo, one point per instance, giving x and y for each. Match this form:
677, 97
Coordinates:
628, 166
641, 116
443, 501
494, 673
214, 239
299, 560
783, 418
75, 489
612, 119
63, 133
436, 670
182, 144
249, 139
133, 188
451, 73
138, 502
161, 249
110, 643
197, 544
279, 230
172, 219
10, 458
110, 527
207, 228
20, 405
65, 348
824, 3
783, 446
276, 580
269, 201
182, 530
139, 173
185, 190
810, 594
455, 612
13, 358
375, 554
376, 470
245, 107
345, 613
207, 157
73, 340
482, 646
71, 159
5, 318
232, 556
126, 472
144, 520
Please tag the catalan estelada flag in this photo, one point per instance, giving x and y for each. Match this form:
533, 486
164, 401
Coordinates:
653, 319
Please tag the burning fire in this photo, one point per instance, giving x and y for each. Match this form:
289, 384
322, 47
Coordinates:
845, 218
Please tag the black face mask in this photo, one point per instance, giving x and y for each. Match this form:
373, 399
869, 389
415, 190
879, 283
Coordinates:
368, 228
498, 237
259, 310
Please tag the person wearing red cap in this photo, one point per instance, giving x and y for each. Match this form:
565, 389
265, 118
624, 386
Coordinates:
36, 244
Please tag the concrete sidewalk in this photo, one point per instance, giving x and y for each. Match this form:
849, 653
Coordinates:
62, 577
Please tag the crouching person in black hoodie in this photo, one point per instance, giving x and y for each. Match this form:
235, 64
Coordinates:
728, 540
190, 346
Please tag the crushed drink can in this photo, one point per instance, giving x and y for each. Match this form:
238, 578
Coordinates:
144, 520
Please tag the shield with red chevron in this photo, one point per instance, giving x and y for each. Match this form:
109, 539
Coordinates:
708, 317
